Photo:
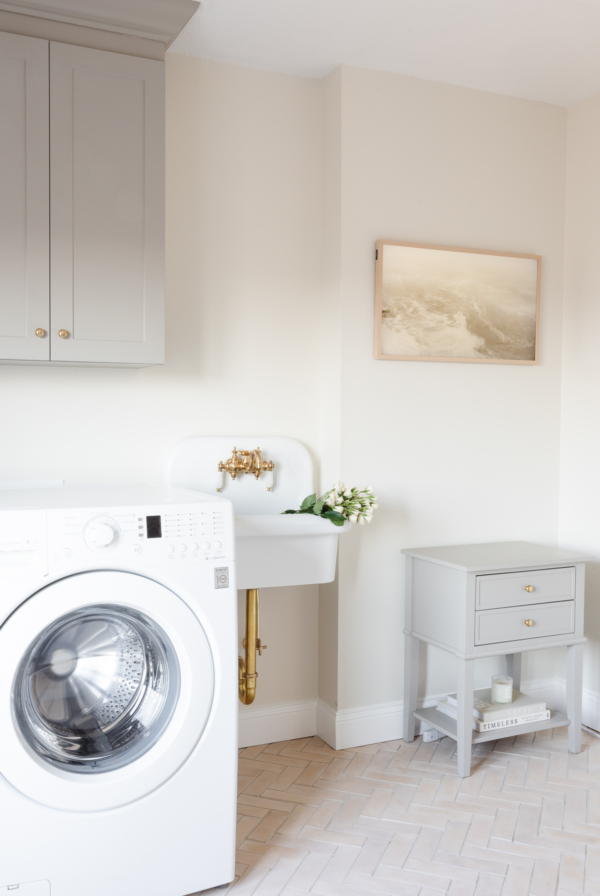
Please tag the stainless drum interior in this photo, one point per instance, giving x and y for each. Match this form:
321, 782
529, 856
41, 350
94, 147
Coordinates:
96, 689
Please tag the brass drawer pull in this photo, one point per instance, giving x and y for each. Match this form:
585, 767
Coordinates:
39, 332
63, 334
529, 588
529, 622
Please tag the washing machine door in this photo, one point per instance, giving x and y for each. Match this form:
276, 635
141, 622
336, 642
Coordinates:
106, 685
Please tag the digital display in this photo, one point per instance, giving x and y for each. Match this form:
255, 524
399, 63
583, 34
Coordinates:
153, 527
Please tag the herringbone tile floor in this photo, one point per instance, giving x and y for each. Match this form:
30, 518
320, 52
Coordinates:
394, 819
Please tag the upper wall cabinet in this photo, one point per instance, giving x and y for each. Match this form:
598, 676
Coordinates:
101, 299
24, 198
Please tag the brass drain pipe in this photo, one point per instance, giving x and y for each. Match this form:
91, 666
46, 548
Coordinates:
252, 643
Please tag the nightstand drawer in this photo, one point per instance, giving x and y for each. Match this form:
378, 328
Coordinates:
496, 626
512, 589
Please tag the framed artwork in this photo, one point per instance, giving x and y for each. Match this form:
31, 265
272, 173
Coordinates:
437, 303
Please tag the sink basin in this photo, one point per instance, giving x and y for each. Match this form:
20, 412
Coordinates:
272, 551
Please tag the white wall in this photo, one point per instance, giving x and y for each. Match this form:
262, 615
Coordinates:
456, 452
580, 467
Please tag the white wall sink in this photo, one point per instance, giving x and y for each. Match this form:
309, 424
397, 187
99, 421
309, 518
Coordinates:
271, 550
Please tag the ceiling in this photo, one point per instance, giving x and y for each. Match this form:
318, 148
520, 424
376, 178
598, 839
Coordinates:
546, 50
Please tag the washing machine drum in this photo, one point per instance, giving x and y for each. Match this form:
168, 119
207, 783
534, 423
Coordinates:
96, 690
107, 682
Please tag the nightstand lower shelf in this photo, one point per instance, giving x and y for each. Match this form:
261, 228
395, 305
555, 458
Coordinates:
447, 725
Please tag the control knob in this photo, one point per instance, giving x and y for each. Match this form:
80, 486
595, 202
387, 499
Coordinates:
101, 533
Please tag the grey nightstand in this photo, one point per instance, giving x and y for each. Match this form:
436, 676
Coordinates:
481, 600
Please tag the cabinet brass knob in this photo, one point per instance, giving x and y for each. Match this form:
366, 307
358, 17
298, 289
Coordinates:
529, 622
529, 588
63, 334
39, 332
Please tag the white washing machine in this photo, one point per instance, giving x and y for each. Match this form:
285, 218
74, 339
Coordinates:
118, 692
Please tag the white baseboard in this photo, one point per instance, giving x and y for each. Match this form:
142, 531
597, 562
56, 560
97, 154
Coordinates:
280, 721
346, 728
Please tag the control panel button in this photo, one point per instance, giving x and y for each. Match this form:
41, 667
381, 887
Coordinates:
194, 548
67, 554
170, 548
218, 545
137, 549
206, 547
183, 547
101, 533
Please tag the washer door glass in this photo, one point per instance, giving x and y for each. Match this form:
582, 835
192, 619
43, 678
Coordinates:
96, 689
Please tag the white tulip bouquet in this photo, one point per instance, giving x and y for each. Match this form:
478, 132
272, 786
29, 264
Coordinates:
340, 504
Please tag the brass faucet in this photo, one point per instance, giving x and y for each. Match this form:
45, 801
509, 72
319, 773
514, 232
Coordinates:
246, 462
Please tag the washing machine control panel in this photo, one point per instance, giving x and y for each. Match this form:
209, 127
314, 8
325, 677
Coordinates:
178, 535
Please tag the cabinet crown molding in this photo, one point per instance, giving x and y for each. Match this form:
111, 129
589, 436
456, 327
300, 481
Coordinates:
160, 20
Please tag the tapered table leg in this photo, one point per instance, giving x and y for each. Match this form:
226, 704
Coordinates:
574, 688
513, 668
411, 685
464, 723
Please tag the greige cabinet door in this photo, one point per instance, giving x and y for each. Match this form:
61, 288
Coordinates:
24, 231
107, 207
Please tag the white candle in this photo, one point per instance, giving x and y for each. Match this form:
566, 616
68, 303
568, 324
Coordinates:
502, 689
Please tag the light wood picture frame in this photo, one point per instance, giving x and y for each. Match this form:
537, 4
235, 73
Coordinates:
442, 303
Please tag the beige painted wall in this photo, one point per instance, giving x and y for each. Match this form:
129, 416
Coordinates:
456, 452
243, 272
580, 467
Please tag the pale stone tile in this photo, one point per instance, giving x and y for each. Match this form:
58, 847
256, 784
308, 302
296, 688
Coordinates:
489, 885
376, 803
504, 827
516, 774
538, 771
402, 797
361, 830
434, 817
454, 836
310, 774
273, 883
545, 878
480, 830
361, 884
249, 881
245, 825
398, 850
517, 881
486, 866
335, 768
332, 837
323, 815
370, 856
496, 855
358, 764
286, 778
350, 810
459, 888
296, 820
528, 822
276, 748
572, 872
261, 783
453, 872
389, 825
593, 863
389, 873
268, 826
552, 814
576, 805
252, 752
309, 870
449, 787
340, 864
303, 844
269, 850
426, 844
245, 799
426, 792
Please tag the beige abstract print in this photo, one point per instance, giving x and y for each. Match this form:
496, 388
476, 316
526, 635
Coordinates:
441, 303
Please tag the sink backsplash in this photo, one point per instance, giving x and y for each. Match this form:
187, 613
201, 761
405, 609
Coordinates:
194, 462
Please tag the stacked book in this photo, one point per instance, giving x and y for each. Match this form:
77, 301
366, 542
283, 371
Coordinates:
488, 716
